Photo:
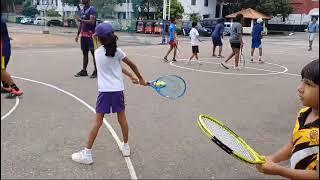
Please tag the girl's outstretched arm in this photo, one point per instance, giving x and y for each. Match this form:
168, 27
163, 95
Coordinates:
135, 70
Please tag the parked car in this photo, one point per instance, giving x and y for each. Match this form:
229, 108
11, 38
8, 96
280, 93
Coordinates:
39, 21
209, 23
27, 20
70, 23
98, 21
55, 22
227, 28
115, 24
203, 31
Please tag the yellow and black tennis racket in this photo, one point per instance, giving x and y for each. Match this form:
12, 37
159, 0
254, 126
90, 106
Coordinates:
229, 141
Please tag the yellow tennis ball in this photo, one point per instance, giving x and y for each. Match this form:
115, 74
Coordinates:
160, 84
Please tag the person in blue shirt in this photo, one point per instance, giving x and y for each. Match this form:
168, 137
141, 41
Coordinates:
172, 40
313, 28
217, 35
257, 33
86, 29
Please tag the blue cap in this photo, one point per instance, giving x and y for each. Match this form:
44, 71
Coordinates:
103, 30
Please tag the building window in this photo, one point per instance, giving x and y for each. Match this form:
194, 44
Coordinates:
206, 3
193, 2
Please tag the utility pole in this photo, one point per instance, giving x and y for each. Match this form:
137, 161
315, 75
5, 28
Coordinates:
46, 5
165, 15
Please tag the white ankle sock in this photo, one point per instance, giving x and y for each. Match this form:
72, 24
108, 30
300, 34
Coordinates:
87, 151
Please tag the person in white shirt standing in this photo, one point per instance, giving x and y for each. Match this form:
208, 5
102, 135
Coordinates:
194, 36
110, 87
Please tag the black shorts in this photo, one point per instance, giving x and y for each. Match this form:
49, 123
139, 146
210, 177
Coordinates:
236, 45
195, 49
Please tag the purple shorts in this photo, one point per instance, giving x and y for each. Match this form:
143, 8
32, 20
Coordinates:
108, 102
216, 41
87, 44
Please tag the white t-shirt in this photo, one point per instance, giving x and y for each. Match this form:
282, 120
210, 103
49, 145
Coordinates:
194, 37
110, 78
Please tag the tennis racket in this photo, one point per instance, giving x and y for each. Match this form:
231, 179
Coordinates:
170, 86
242, 60
229, 141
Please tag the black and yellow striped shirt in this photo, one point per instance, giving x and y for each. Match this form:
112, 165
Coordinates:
305, 142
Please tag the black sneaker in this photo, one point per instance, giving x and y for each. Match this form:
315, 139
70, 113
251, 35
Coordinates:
94, 74
174, 60
81, 73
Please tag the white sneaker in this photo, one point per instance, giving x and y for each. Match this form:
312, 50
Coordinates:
125, 150
82, 157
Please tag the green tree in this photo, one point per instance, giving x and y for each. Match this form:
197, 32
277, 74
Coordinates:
147, 4
275, 7
105, 8
195, 17
28, 9
53, 13
176, 9
269, 7
137, 8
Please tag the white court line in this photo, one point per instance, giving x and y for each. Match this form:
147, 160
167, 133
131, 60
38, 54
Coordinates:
12, 109
113, 133
285, 69
213, 72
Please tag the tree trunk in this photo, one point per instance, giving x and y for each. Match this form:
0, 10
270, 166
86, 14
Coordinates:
148, 9
13, 7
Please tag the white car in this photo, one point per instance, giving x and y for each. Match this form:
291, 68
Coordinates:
227, 28
26, 20
39, 21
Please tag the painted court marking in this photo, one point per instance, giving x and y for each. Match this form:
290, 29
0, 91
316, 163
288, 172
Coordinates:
285, 69
12, 109
109, 127
271, 72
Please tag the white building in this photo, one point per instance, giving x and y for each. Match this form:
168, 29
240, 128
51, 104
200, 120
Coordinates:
203, 8
57, 5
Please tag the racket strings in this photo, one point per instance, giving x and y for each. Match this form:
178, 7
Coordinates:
229, 140
175, 87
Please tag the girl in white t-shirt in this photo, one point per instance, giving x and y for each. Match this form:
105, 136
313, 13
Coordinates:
110, 87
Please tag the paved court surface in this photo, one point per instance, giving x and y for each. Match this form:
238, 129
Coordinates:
52, 119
